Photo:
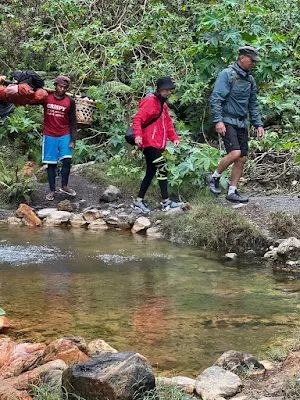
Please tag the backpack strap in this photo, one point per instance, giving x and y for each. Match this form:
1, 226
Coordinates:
235, 78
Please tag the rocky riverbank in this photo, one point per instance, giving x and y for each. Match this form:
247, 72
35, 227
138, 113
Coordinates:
96, 371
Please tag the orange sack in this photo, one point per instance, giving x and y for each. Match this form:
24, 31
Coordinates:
39, 96
21, 96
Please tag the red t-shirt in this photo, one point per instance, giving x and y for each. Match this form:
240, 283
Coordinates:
56, 116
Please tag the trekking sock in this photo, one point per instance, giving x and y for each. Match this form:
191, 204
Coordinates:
232, 189
216, 175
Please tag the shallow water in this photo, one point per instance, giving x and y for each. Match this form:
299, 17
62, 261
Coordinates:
179, 306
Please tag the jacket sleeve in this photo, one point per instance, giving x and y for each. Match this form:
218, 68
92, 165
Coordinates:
253, 107
171, 134
221, 89
72, 120
145, 112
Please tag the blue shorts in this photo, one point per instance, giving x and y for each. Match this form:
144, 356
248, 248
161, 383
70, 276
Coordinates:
56, 148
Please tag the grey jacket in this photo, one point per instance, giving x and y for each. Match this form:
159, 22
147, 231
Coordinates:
232, 103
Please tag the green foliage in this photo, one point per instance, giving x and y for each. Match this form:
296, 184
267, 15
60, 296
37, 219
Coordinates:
285, 225
292, 387
163, 392
14, 186
43, 391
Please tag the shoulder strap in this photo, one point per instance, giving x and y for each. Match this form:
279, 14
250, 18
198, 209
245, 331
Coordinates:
155, 118
235, 77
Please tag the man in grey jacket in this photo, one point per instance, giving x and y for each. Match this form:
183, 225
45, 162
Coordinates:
232, 99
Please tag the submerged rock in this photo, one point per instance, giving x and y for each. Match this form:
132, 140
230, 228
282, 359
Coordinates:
121, 376
216, 383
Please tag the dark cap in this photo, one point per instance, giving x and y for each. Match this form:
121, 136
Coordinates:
165, 83
63, 80
250, 52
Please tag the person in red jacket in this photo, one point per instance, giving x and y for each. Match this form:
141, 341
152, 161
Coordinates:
59, 135
152, 140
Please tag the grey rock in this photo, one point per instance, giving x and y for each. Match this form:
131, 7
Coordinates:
99, 346
45, 212
79, 342
185, 384
65, 205
92, 214
141, 224
112, 193
216, 383
120, 376
155, 233
57, 218
98, 225
231, 256
53, 377
239, 363
77, 221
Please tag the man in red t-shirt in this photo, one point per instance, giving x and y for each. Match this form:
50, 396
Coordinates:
59, 135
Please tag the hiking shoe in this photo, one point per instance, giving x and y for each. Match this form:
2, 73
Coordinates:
140, 205
214, 185
68, 191
170, 204
237, 198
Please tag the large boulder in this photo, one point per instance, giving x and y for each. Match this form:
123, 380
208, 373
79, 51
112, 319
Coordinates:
57, 218
26, 212
215, 383
64, 349
46, 212
99, 346
240, 363
288, 249
141, 224
112, 193
77, 221
120, 376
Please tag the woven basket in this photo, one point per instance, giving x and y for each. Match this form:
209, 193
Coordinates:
84, 110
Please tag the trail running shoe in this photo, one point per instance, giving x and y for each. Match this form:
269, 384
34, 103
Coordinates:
68, 191
214, 185
141, 206
237, 198
171, 204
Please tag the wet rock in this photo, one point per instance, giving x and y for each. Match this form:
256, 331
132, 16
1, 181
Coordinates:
238, 362
288, 249
141, 224
99, 346
26, 212
185, 384
91, 214
4, 324
65, 205
120, 376
98, 225
45, 212
14, 221
57, 218
216, 383
16, 358
64, 349
112, 193
77, 221
231, 256
155, 233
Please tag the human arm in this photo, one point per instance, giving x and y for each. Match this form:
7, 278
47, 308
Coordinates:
253, 107
221, 89
171, 134
145, 113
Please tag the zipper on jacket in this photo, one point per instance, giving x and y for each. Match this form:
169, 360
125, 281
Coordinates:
154, 132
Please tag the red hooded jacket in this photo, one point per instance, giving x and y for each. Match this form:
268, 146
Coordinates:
156, 134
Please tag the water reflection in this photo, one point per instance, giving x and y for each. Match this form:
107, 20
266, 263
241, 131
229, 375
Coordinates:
177, 305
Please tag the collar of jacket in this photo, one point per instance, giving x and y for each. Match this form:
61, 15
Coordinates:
239, 70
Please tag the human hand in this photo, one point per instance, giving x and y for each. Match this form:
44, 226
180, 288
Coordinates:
138, 140
72, 145
176, 143
260, 133
221, 128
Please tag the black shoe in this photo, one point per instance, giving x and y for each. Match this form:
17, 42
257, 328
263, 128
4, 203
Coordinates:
237, 198
214, 184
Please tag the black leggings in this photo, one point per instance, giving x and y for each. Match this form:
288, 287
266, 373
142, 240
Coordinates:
65, 172
155, 162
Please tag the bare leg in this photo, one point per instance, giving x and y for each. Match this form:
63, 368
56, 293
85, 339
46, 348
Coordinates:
228, 160
237, 170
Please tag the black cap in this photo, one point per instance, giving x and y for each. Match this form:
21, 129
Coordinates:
165, 83
250, 52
